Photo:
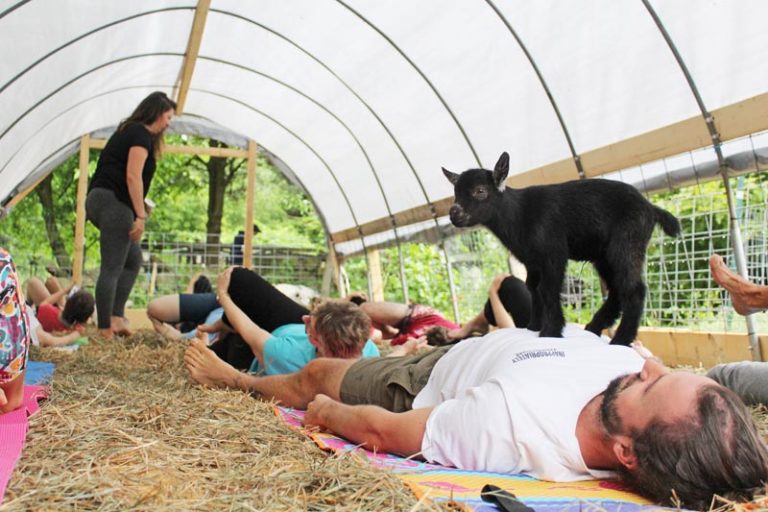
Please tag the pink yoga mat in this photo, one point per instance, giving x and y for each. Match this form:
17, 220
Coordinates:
13, 432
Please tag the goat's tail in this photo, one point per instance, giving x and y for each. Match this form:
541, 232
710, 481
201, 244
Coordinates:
668, 222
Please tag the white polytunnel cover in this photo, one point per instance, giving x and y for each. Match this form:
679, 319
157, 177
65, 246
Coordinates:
361, 103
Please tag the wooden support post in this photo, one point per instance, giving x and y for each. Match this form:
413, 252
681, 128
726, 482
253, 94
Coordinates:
377, 283
82, 187
190, 56
331, 272
250, 190
152, 280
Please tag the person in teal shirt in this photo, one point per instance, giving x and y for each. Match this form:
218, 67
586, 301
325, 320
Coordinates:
267, 321
288, 350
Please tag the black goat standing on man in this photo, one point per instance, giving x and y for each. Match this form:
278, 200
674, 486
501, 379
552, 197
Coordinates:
606, 222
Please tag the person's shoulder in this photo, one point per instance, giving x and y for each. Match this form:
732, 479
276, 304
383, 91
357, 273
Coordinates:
137, 133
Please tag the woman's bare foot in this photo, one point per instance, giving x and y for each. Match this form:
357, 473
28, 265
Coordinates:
119, 326
746, 297
206, 368
107, 334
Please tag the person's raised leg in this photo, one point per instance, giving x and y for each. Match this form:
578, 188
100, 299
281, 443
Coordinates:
323, 375
264, 304
36, 291
746, 297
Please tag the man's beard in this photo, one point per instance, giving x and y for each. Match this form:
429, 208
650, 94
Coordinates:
608, 413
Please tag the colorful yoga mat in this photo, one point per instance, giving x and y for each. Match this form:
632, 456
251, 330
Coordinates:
439, 483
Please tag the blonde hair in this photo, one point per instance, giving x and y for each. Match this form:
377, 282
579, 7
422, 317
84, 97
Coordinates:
342, 327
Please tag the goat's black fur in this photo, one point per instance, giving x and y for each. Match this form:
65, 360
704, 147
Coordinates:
608, 223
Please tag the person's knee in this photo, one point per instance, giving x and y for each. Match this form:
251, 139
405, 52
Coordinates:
162, 309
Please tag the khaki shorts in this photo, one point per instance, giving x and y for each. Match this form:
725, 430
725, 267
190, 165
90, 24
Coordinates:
389, 382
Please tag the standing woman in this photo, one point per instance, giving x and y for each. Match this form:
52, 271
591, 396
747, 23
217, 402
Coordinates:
115, 205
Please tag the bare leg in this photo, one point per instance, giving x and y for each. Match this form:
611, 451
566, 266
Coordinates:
747, 297
12, 394
322, 375
53, 285
36, 291
165, 309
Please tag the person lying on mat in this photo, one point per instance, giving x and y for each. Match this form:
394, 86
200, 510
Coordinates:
14, 336
60, 313
508, 305
276, 335
748, 379
555, 409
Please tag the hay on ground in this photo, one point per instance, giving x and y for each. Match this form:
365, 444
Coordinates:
125, 430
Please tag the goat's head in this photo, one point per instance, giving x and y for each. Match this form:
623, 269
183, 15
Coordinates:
476, 192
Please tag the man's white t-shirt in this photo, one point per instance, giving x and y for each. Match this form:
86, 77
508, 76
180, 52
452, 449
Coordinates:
509, 402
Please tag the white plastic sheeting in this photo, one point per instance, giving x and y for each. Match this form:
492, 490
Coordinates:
362, 102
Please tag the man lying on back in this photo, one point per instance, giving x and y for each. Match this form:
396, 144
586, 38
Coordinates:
556, 409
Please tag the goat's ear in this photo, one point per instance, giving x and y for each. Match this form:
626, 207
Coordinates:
452, 176
500, 172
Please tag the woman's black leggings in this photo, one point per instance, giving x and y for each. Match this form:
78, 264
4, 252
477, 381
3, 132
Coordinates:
120, 256
264, 304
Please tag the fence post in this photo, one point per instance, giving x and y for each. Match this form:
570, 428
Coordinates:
250, 190
82, 186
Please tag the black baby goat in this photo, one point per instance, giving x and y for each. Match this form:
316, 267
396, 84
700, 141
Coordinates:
608, 223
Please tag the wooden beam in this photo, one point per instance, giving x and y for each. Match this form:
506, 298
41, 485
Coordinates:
733, 121
21, 195
694, 348
374, 270
188, 150
250, 190
193, 48
82, 188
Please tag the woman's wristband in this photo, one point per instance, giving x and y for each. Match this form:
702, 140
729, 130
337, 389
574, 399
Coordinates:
142, 218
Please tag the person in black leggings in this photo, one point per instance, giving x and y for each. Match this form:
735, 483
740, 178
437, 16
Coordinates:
264, 304
116, 205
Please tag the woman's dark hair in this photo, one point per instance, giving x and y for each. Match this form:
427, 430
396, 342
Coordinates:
79, 308
150, 108
202, 285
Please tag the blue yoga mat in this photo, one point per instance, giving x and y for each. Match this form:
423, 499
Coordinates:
38, 373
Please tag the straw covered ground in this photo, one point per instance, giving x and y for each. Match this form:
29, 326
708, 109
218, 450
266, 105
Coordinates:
125, 430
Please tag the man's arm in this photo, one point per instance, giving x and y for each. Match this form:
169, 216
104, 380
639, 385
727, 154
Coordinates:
371, 426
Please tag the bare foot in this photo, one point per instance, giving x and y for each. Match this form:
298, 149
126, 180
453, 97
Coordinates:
119, 326
746, 297
165, 330
107, 334
206, 368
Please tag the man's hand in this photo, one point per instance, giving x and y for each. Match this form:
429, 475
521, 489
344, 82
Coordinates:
316, 411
